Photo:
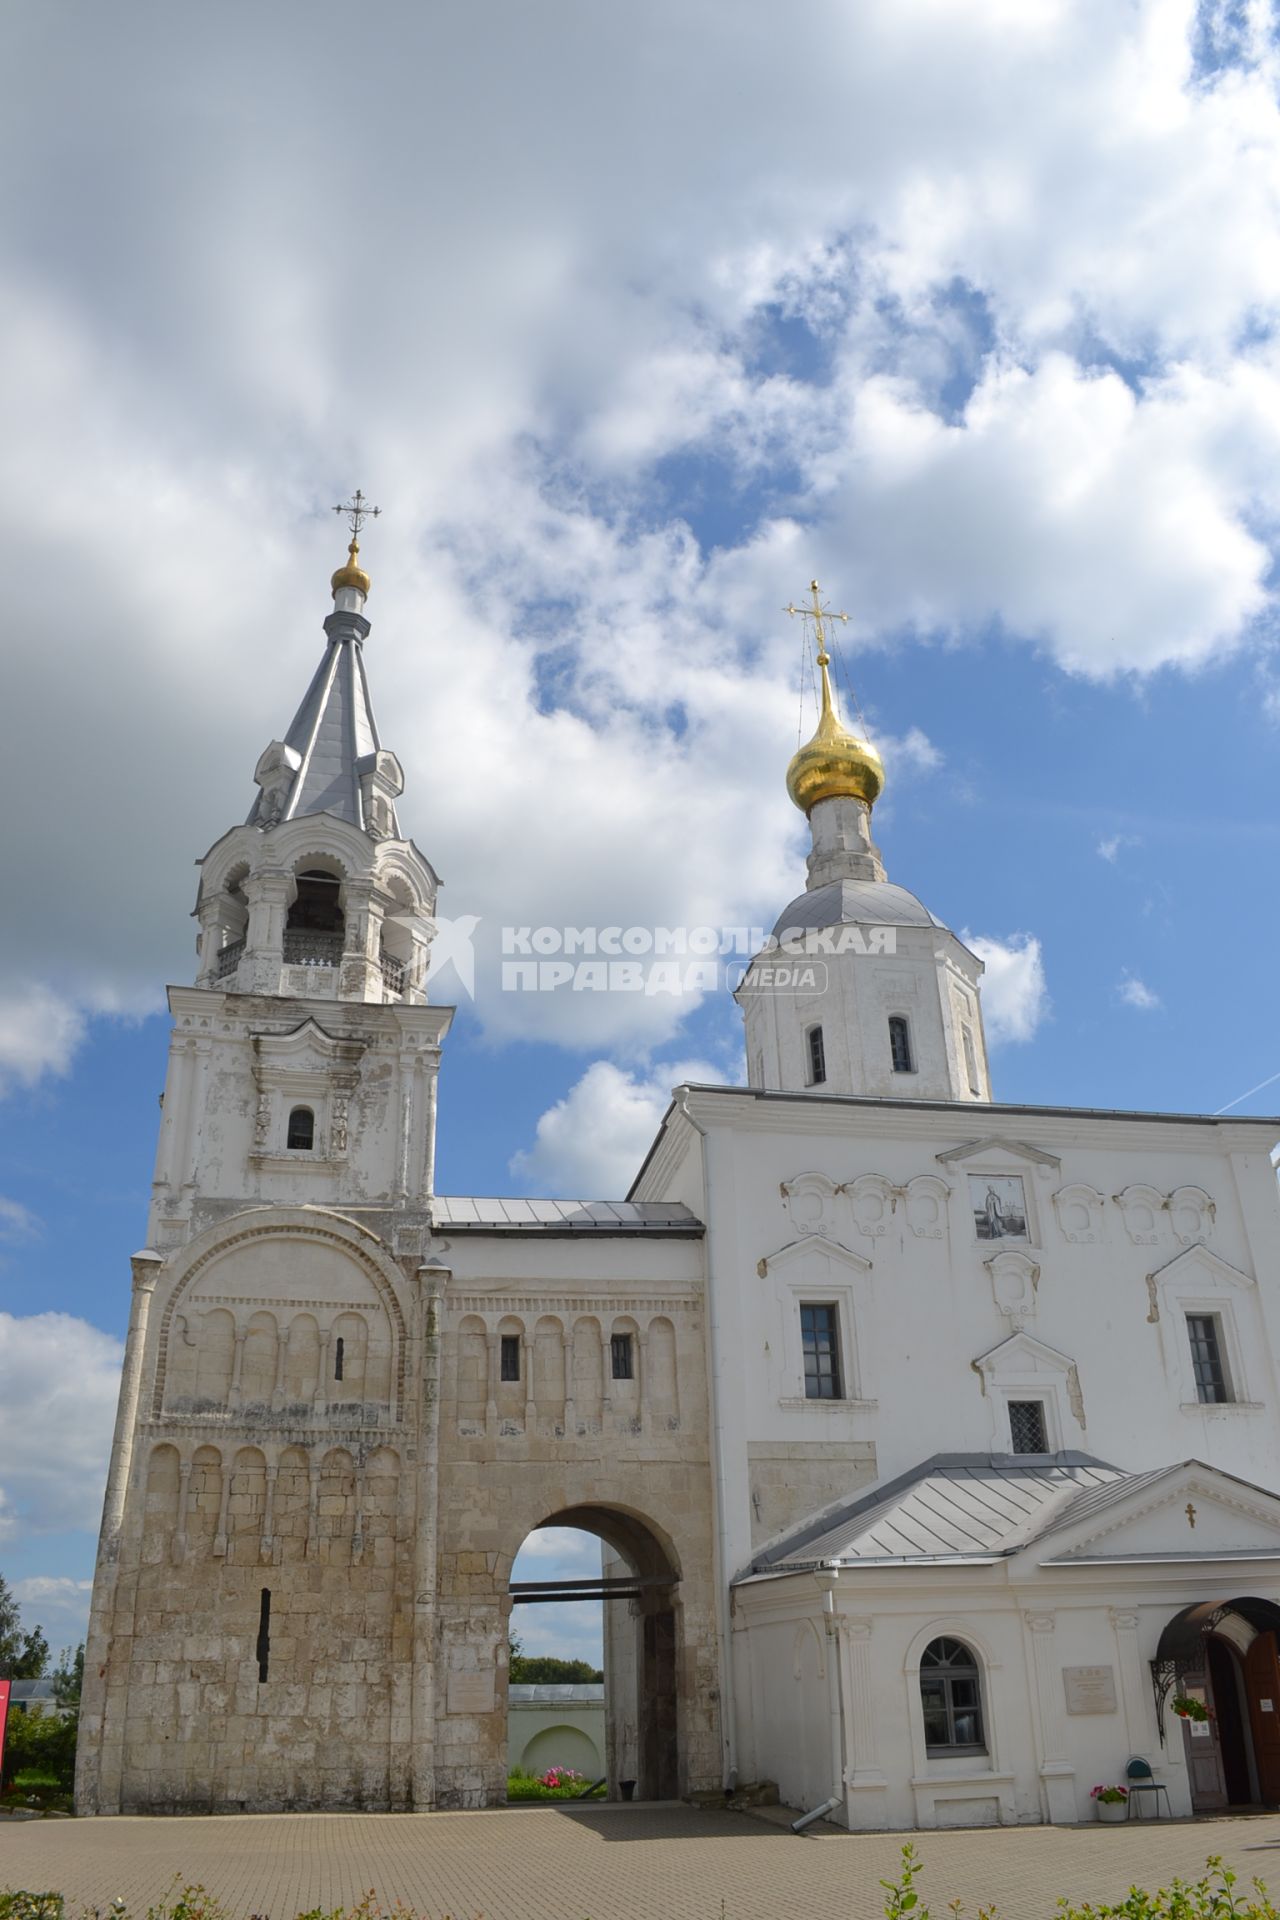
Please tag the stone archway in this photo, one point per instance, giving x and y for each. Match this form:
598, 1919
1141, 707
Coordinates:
639, 1586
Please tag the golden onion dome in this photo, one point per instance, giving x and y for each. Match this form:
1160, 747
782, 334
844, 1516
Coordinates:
835, 763
351, 575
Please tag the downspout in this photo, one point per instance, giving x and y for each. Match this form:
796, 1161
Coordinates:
727, 1705
826, 1579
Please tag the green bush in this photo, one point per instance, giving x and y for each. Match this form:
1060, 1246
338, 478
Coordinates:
43, 1743
31, 1906
1215, 1897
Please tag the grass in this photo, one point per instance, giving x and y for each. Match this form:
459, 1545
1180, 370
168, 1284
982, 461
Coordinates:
537, 1786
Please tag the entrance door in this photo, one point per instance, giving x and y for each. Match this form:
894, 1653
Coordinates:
1262, 1688
1200, 1743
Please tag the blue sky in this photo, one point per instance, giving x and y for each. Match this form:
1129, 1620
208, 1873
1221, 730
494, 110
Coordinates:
974, 317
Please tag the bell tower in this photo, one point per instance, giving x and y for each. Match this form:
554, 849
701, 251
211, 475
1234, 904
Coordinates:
310, 1003
861, 990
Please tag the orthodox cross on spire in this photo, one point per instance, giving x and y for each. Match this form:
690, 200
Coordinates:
818, 614
358, 510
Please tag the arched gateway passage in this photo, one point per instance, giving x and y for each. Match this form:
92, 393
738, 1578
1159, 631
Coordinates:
1226, 1655
639, 1586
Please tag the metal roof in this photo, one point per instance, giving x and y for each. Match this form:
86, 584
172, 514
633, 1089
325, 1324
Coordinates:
868, 903
577, 1693
456, 1213
333, 730
951, 1507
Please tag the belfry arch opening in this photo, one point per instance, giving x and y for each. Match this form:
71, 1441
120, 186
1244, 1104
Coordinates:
627, 1625
315, 925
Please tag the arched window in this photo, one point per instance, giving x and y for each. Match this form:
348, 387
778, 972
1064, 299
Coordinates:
313, 932
302, 1130
951, 1695
900, 1044
339, 1354
817, 1057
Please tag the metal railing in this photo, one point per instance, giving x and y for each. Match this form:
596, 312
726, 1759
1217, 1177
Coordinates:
393, 973
303, 948
228, 960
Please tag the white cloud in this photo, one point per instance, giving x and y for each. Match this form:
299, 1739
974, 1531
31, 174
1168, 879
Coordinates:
1135, 993
590, 1144
57, 1603
1017, 199
1015, 998
39, 1033
1112, 845
59, 1379
16, 1221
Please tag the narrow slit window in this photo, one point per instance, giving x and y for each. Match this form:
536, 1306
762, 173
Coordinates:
1207, 1363
900, 1044
620, 1356
971, 1060
1027, 1430
820, 1338
339, 1347
302, 1130
817, 1057
263, 1649
510, 1356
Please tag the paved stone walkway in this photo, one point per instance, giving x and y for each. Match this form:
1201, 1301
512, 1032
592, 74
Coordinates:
625, 1863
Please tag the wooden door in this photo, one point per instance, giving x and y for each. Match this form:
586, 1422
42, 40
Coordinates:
1200, 1743
1262, 1688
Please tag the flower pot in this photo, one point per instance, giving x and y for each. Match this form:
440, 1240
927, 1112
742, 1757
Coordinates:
1111, 1811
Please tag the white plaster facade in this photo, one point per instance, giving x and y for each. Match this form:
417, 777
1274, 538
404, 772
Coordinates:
832, 1294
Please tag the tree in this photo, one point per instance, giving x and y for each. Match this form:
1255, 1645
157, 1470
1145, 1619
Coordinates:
24, 1654
541, 1669
68, 1677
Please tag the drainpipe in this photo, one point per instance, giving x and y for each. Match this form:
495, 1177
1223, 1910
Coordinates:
727, 1705
826, 1579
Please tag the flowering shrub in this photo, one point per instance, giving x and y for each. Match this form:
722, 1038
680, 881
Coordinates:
1188, 1709
559, 1777
1110, 1796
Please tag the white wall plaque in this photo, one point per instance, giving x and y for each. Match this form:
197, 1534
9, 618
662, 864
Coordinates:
1090, 1689
471, 1692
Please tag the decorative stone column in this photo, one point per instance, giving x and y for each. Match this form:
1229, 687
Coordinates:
432, 1281
267, 893
146, 1271
1135, 1682
1056, 1772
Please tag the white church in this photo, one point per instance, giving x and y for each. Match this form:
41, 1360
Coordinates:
932, 1442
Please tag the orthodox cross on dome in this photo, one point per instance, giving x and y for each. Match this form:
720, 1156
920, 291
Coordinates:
358, 510
818, 614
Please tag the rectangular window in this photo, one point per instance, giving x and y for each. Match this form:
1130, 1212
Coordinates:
900, 1044
1027, 1427
817, 1058
970, 1060
820, 1337
1206, 1357
510, 1356
620, 1356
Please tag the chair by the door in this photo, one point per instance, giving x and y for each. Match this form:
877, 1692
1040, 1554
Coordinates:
1140, 1780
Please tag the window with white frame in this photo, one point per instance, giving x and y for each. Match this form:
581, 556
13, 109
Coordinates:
817, 1057
820, 1341
1208, 1360
951, 1698
1028, 1428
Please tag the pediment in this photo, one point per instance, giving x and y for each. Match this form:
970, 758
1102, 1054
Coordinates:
1195, 1265
308, 1047
994, 1151
1020, 1354
1190, 1511
814, 1253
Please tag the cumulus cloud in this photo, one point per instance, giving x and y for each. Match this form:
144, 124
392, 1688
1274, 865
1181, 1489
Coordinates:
1015, 997
1112, 845
57, 1603
1135, 993
590, 1144
59, 1379
1032, 256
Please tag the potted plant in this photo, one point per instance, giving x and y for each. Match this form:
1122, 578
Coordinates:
1112, 1803
1188, 1708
